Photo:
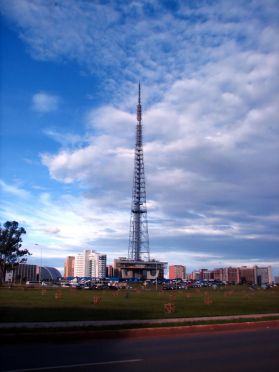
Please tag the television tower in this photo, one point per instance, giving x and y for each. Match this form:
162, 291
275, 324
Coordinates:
138, 240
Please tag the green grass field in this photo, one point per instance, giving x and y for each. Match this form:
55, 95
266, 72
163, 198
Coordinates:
53, 304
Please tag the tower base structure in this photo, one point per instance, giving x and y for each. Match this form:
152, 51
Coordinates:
141, 270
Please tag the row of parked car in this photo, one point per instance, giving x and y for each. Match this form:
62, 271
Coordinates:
97, 287
93, 285
191, 284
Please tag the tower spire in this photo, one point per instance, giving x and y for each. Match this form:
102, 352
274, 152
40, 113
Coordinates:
139, 106
139, 239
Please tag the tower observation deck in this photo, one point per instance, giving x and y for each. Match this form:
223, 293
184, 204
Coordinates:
139, 239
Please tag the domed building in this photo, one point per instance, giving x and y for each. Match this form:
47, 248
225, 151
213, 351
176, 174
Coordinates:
26, 272
50, 274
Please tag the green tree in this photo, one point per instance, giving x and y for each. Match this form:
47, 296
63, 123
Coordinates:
10, 243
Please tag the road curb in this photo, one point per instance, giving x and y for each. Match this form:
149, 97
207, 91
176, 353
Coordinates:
79, 335
136, 322
201, 328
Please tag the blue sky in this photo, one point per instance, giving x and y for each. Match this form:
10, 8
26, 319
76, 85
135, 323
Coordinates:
209, 74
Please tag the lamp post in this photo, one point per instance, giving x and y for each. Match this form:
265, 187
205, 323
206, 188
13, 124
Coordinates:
40, 271
156, 277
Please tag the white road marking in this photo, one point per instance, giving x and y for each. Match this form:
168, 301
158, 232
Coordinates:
76, 365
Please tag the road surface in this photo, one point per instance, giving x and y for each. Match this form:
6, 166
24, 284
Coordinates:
242, 350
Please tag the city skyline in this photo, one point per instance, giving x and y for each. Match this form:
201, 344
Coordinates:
209, 81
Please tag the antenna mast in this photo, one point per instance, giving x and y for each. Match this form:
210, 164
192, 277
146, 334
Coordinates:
139, 239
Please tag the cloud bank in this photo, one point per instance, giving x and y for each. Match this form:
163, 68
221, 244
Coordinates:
122, 41
210, 97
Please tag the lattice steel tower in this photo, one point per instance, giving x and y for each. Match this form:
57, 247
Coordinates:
139, 240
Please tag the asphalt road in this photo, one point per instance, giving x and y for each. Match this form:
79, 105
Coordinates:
245, 350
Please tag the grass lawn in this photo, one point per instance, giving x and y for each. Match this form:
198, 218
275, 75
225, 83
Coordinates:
53, 304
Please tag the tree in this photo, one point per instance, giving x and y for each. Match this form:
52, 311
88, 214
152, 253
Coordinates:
10, 243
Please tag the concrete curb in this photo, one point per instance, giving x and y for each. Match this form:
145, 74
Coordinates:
42, 336
106, 323
196, 329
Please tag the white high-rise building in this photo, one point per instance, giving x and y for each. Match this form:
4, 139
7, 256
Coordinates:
98, 264
90, 264
82, 264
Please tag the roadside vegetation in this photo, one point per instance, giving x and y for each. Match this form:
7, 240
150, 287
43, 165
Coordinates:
11, 254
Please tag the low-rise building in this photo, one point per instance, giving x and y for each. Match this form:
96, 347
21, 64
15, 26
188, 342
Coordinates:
25, 272
142, 270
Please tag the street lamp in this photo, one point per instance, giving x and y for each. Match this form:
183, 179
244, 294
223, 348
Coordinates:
40, 272
156, 277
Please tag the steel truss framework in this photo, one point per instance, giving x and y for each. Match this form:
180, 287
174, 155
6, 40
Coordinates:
139, 239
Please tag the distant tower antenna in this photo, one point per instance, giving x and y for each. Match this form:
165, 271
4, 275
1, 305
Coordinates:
139, 239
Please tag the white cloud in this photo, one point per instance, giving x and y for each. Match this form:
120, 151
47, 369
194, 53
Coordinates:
206, 143
143, 39
51, 230
43, 102
14, 190
65, 139
210, 97
74, 223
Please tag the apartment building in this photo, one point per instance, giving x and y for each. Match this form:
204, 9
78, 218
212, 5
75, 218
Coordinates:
69, 267
235, 275
263, 275
177, 272
89, 263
